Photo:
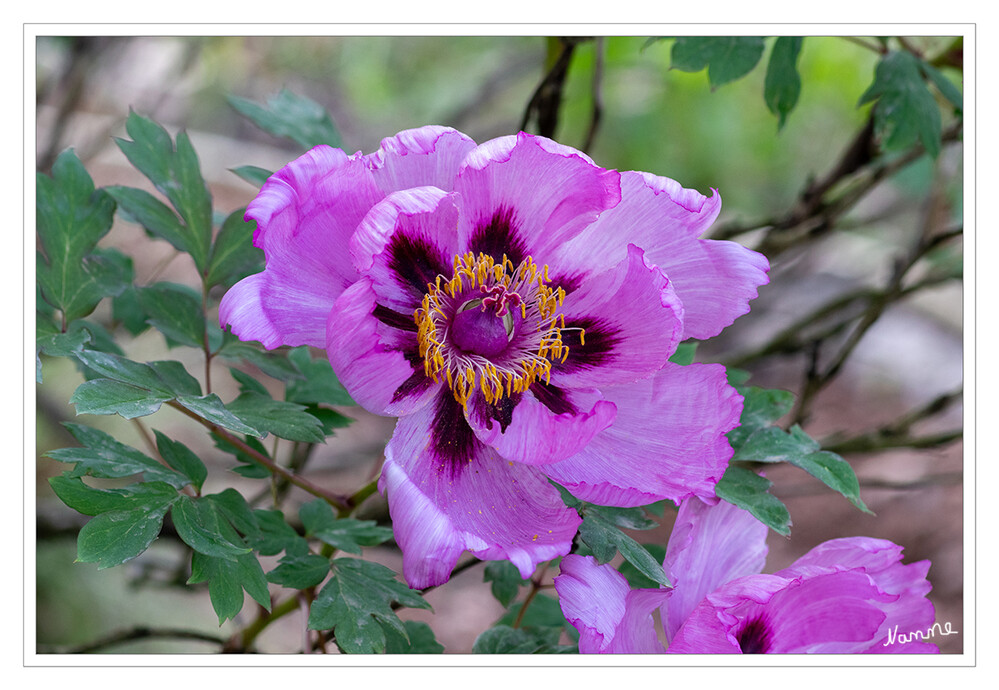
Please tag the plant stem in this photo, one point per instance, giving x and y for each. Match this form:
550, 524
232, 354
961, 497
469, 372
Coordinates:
340, 503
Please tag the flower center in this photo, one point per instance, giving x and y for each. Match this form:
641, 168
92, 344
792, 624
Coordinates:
492, 326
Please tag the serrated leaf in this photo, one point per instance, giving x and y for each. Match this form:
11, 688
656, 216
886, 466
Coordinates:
356, 602
200, 525
71, 217
102, 456
506, 580
283, 419
253, 174
300, 571
231, 504
152, 214
543, 614
782, 85
727, 57
175, 311
175, 377
291, 116
748, 490
226, 581
318, 383
182, 459
233, 254
905, 110
176, 173
421, 640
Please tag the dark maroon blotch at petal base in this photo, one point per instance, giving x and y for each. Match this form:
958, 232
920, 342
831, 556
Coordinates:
553, 397
451, 438
593, 348
497, 236
416, 263
754, 638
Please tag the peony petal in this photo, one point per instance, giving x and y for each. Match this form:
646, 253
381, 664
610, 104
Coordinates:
713, 279
404, 243
610, 617
667, 441
708, 547
448, 492
305, 213
631, 321
881, 560
428, 155
374, 353
525, 195
543, 425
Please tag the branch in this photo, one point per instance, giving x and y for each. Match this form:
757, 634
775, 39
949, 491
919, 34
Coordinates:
547, 97
132, 635
335, 500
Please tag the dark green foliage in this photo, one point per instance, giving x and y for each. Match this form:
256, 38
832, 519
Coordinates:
283, 419
253, 174
506, 580
346, 534
233, 255
227, 579
783, 83
176, 174
601, 532
748, 490
175, 311
318, 383
292, 117
356, 605
421, 640
905, 110
635, 577
73, 276
727, 57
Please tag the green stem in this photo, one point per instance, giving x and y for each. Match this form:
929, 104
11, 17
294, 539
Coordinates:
244, 640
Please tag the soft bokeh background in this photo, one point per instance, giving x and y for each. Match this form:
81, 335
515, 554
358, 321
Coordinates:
654, 119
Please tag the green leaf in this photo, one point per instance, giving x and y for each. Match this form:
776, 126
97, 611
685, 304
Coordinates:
176, 174
684, 353
226, 581
830, 469
104, 396
761, 408
283, 419
748, 490
635, 577
175, 311
104, 457
727, 57
202, 527
125, 370
506, 580
117, 536
231, 504
421, 640
318, 383
175, 377
300, 571
126, 310
293, 117
210, 407
90, 501
543, 613
503, 639
182, 459
945, 85
782, 85
71, 217
273, 364
356, 603
346, 534
330, 419
152, 214
605, 540
253, 174
276, 535
905, 110
233, 254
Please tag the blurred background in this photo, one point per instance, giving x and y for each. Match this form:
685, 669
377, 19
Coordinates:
893, 405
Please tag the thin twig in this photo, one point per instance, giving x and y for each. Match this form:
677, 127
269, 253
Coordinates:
596, 110
133, 635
